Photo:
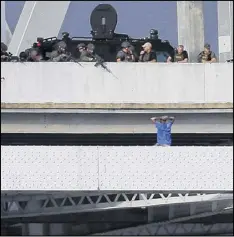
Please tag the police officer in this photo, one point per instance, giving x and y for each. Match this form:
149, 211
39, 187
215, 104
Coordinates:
133, 52
34, 55
181, 55
147, 54
125, 54
86, 53
60, 54
4, 54
67, 40
207, 56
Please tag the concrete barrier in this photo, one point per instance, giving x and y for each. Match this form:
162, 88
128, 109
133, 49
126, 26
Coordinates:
134, 85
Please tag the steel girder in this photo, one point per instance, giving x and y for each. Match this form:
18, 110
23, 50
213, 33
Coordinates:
175, 229
30, 205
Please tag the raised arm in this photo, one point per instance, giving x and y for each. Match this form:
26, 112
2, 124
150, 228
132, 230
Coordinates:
154, 119
172, 119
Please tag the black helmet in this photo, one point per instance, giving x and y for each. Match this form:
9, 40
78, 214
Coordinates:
125, 44
65, 34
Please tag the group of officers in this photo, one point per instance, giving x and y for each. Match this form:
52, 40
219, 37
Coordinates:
126, 54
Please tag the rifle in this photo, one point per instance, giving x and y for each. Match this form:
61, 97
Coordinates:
69, 58
100, 62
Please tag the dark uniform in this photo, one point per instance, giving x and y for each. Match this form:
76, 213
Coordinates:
133, 51
34, 55
204, 56
85, 54
60, 54
147, 57
125, 56
180, 56
67, 40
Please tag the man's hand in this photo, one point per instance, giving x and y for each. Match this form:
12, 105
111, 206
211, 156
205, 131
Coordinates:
142, 52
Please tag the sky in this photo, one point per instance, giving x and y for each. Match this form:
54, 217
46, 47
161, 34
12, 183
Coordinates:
135, 18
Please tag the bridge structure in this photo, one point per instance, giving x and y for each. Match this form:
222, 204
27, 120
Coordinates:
160, 190
190, 24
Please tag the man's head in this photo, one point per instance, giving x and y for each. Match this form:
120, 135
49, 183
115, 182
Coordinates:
90, 48
206, 48
81, 47
147, 47
180, 48
65, 34
163, 119
125, 46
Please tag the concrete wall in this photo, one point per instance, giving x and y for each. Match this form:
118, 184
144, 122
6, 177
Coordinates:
116, 168
137, 84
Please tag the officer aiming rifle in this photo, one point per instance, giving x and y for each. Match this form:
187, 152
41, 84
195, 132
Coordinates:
96, 58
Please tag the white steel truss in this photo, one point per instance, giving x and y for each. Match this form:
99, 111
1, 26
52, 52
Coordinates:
37, 19
30, 205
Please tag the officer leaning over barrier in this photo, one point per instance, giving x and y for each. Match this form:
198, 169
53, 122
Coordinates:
207, 56
60, 54
125, 54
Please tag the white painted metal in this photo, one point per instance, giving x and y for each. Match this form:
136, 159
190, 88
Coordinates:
45, 83
112, 123
38, 19
174, 229
62, 203
190, 23
116, 168
3, 22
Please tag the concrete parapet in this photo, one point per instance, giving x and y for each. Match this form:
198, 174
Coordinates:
139, 86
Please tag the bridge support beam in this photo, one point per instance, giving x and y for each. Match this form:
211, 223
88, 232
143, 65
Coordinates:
38, 19
191, 27
225, 30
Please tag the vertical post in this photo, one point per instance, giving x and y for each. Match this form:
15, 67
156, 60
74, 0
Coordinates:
225, 30
3, 22
190, 23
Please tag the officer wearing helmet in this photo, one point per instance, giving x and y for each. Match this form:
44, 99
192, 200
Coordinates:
60, 54
125, 54
86, 52
67, 40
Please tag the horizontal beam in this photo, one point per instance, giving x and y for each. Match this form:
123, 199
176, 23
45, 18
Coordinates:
130, 123
174, 229
113, 111
50, 204
115, 106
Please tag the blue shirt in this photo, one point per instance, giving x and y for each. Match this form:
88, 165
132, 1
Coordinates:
164, 133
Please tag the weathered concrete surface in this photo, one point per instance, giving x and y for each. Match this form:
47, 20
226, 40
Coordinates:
190, 23
116, 106
139, 85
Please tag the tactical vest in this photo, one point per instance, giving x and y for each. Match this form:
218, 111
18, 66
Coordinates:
127, 57
146, 57
205, 57
179, 57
